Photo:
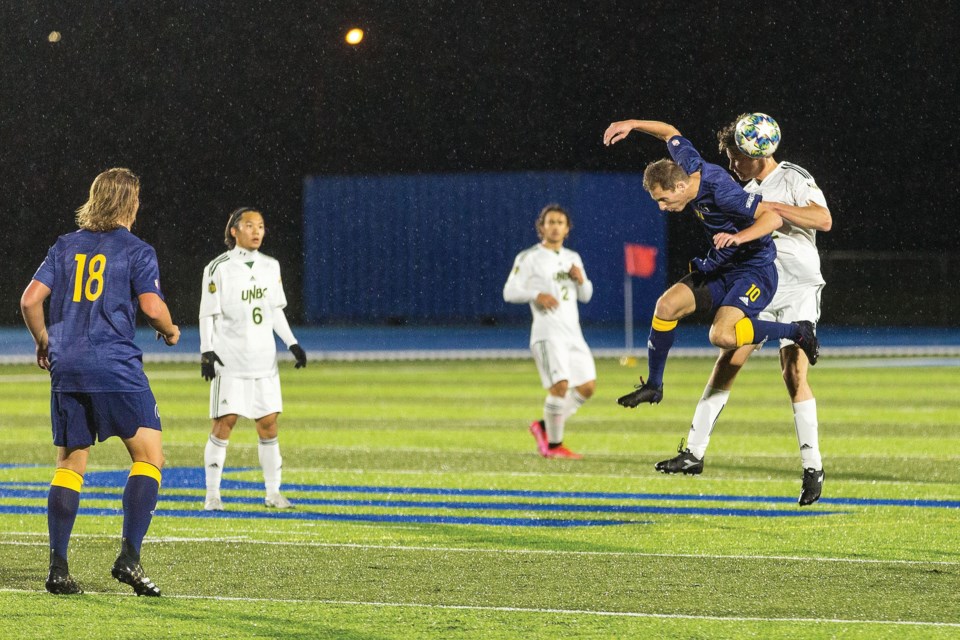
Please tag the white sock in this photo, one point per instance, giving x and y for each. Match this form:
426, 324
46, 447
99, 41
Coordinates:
571, 402
805, 420
704, 418
554, 417
271, 462
214, 457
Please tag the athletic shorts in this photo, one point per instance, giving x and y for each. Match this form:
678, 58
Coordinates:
749, 289
563, 360
81, 419
792, 304
248, 397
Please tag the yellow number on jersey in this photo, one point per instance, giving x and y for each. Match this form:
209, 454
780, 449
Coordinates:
94, 286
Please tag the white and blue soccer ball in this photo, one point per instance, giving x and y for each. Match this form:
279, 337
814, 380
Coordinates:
757, 135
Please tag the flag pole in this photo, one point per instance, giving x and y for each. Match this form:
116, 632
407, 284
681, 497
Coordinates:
628, 312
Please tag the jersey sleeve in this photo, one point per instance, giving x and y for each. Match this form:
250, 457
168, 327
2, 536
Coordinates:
280, 301
210, 293
145, 272
805, 190
585, 290
515, 290
47, 273
684, 154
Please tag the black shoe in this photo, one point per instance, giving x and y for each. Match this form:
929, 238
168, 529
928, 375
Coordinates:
61, 583
130, 572
643, 392
812, 487
808, 341
685, 463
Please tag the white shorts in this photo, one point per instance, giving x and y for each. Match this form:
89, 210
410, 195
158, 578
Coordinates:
792, 304
570, 361
248, 397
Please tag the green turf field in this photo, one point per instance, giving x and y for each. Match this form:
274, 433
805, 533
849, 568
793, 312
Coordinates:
422, 505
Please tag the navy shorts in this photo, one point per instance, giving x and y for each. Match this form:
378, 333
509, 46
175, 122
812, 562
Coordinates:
749, 289
81, 419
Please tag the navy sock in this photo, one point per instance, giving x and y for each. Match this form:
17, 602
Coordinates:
62, 506
139, 501
766, 330
658, 347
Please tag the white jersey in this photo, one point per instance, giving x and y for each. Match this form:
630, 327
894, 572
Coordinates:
242, 291
540, 270
798, 262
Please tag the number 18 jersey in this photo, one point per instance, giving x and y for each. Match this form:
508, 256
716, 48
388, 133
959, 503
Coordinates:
241, 290
94, 279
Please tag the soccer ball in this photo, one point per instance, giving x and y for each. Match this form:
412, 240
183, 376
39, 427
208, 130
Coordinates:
757, 135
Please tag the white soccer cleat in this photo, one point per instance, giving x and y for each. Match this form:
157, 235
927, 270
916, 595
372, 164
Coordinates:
277, 501
213, 503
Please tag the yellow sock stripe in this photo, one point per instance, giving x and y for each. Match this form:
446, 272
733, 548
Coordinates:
67, 479
744, 329
145, 469
664, 325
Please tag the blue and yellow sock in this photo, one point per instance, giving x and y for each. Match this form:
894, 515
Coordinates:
63, 502
661, 339
753, 331
139, 501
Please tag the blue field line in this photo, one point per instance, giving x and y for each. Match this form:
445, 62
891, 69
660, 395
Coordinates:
193, 478
343, 517
473, 506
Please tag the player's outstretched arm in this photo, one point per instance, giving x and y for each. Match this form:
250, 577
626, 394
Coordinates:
617, 131
31, 306
158, 317
766, 221
812, 216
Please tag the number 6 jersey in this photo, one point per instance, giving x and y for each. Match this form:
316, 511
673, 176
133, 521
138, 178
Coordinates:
242, 291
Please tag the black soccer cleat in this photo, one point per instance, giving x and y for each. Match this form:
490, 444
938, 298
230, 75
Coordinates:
685, 463
812, 487
808, 341
130, 572
643, 392
61, 583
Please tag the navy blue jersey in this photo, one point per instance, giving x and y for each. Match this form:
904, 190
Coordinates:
94, 279
723, 206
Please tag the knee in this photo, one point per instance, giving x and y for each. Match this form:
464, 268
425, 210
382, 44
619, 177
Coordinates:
724, 337
586, 390
223, 426
559, 389
666, 309
267, 427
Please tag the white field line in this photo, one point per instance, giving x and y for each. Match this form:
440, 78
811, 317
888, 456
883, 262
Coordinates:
578, 612
552, 552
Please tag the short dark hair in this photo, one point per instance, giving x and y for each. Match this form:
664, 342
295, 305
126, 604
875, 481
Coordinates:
232, 222
553, 207
726, 137
664, 174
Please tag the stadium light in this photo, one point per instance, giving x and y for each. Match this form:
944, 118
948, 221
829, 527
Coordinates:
354, 36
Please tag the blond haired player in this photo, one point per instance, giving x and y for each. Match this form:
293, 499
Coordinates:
552, 280
240, 309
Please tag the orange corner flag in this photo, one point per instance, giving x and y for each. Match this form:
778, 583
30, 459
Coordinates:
639, 260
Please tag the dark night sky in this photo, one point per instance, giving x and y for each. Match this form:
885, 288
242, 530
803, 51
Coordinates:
221, 104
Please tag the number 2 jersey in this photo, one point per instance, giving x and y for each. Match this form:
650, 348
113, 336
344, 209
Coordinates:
94, 279
242, 290
542, 270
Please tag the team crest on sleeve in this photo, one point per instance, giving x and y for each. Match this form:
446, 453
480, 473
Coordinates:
212, 288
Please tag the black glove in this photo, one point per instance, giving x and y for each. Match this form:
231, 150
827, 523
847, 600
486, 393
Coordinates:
207, 370
299, 354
